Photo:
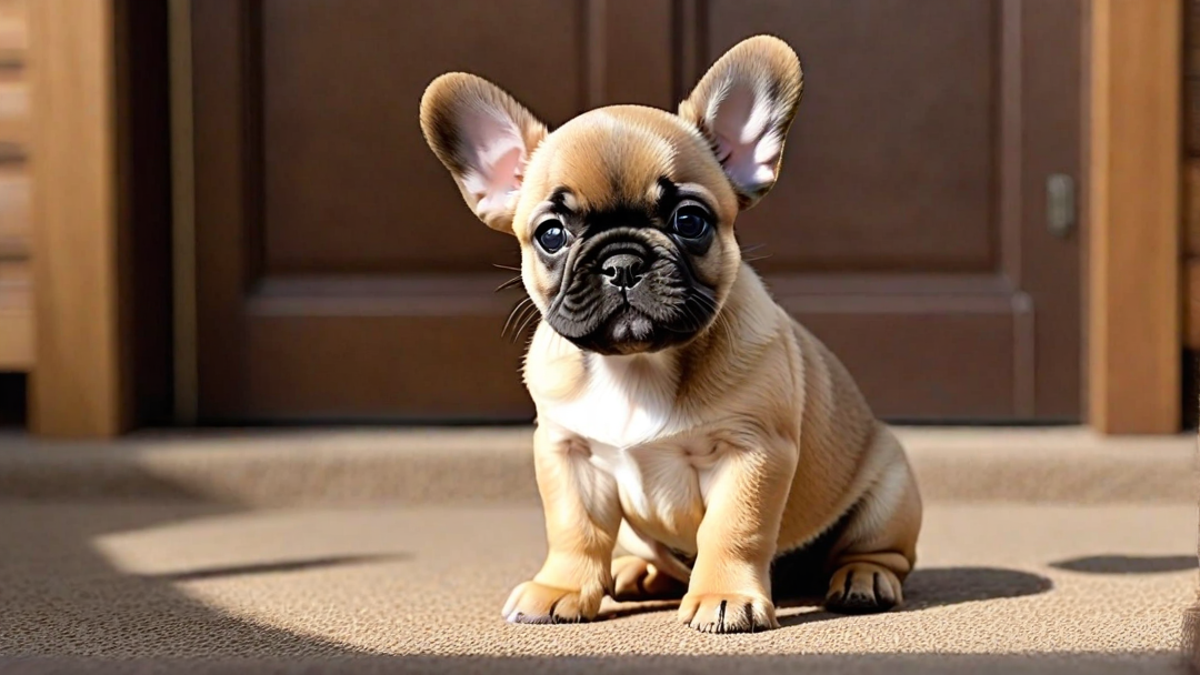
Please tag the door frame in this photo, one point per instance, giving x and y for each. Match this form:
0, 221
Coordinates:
1132, 165
100, 216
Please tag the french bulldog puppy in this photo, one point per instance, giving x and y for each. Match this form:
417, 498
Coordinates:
681, 413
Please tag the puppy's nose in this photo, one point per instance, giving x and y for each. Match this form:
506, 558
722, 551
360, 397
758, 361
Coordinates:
623, 270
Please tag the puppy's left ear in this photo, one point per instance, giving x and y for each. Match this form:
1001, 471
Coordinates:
485, 138
744, 105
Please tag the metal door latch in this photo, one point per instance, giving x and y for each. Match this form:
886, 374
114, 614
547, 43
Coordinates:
1060, 204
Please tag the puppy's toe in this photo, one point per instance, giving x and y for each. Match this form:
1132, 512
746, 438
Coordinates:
635, 579
532, 602
727, 613
863, 588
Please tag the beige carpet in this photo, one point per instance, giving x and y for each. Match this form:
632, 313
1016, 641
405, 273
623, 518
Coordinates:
1044, 551
151, 587
457, 466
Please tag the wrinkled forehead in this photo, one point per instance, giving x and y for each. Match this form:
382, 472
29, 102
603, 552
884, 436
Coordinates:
615, 158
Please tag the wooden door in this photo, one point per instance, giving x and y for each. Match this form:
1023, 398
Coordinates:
340, 277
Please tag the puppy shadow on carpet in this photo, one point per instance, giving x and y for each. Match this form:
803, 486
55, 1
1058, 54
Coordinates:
273, 567
1128, 564
64, 598
941, 586
924, 588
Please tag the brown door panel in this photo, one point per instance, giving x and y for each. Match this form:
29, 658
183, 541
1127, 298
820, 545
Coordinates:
891, 161
340, 277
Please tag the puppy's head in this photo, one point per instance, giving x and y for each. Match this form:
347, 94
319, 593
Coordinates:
624, 214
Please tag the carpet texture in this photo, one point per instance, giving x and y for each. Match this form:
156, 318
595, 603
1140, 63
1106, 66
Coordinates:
386, 552
456, 466
183, 588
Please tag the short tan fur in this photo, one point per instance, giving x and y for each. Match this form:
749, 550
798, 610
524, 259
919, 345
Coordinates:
711, 460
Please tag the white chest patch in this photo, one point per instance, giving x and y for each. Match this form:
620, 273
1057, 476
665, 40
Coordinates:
661, 483
635, 434
629, 401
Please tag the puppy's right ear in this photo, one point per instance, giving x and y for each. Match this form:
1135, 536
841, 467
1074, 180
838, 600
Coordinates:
484, 138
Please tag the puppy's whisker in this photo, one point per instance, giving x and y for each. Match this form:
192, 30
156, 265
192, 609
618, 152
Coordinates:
756, 258
520, 306
688, 314
720, 321
510, 268
515, 281
531, 314
697, 322
530, 322
530, 318
730, 338
517, 323
706, 302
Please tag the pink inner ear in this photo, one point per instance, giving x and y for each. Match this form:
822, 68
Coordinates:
495, 152
747, 140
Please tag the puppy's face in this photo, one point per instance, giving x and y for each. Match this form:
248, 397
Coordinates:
626, 226
624, 214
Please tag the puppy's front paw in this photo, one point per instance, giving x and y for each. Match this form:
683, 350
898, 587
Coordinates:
727, 612
863, 588
532, 602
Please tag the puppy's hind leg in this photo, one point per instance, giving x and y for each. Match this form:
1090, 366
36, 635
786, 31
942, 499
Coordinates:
635, 579
649, 572
877, 549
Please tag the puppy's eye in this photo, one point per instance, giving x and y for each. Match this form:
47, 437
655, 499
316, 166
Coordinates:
551, 236
690, 222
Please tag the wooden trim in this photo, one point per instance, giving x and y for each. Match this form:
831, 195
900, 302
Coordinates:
14, 34
1134, 178
15, 228
143, 137
16, 325
76, 389
1191, 200
1191, 317
16, 338
183, 230
101, 216
227, 195
1042, 121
